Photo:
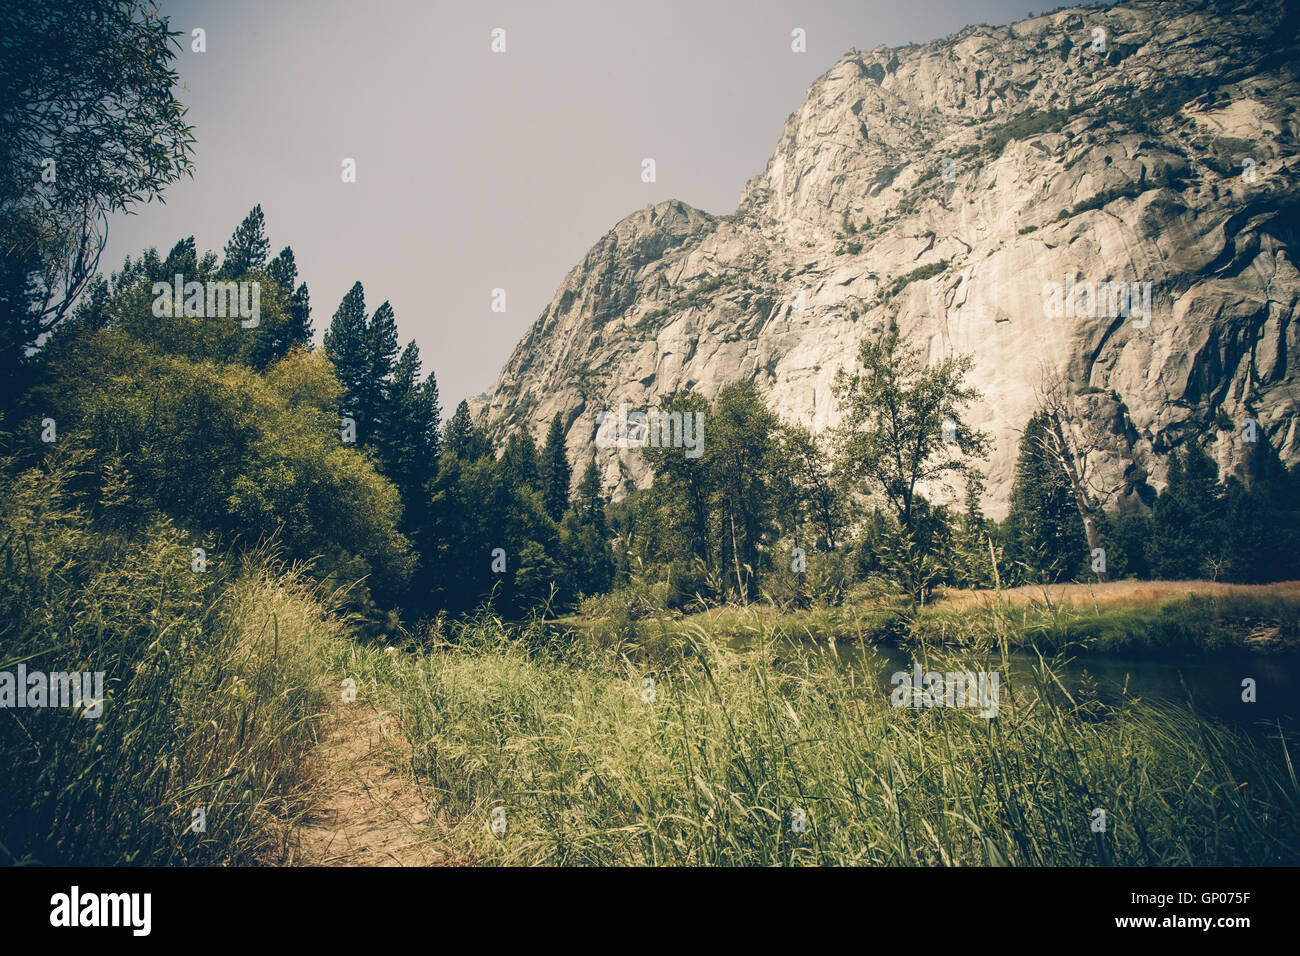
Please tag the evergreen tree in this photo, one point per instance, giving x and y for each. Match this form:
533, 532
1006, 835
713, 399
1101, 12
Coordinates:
584, 541
555, 473
284, 271
461, 438
1187, 536
347, 346
1047, 539
409, 449
520, 459
972, 561
1126, 538
183, 259
382, 353
674, 523
1262, 530
591, 503
248, 247
363, 354
409, 454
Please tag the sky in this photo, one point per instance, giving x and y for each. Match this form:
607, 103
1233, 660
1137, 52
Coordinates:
478, 170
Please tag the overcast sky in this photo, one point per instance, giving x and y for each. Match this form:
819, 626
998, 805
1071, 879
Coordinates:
478, 170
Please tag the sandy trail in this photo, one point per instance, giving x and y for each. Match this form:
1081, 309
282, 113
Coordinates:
368, 813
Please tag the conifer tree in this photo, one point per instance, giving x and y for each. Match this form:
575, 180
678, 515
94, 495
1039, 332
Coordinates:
1262, 530
284, 271
520, 458
461, 438
555, 473
347, 346
591, 504
381, 336
363, 354
409, 448
248, 247
1047, 539
1187, 537
584, 540
183, 259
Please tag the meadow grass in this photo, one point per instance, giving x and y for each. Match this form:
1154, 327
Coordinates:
215, 682
712, 771
1213, 622
1130, 618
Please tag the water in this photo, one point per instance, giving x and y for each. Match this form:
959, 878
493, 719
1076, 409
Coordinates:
1213, 682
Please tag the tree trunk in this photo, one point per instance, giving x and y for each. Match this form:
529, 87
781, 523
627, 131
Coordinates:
1086, 510
735, 556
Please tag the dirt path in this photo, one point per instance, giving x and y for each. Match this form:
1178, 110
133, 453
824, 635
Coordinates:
369, 813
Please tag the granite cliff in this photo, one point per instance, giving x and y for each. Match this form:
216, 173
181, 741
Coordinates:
943, 187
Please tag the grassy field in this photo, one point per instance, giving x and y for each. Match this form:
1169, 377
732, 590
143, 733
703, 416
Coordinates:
1128, 617
734, 748
216, 684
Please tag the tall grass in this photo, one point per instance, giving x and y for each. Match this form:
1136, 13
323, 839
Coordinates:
1195, 623
735, 742
212, 682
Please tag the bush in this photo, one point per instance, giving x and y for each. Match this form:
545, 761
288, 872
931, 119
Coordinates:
210, 685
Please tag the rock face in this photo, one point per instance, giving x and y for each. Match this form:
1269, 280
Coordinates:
943, 187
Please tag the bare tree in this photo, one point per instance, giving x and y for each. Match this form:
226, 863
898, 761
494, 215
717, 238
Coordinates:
1076, 442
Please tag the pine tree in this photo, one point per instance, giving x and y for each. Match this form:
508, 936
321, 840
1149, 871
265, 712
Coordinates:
408, 450
183, 259
972, 562
1186, 540
1047, 538
555, 473
381, 336
347, 346
1262, 530
461, 438
363, 354
284, 271
591, 503
584, 541
248, 247
410, 442
520, 458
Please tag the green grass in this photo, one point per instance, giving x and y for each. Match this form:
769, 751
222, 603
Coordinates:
709, 773
215, 682
1203, 624
212, 683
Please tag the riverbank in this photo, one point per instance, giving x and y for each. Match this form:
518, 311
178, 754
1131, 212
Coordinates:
1124, 617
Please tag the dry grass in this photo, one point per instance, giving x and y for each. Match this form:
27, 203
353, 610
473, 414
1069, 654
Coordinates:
1114, 593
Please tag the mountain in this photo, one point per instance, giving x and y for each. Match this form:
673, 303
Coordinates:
943, 187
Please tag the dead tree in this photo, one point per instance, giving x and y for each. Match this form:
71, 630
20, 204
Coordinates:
1075, 442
